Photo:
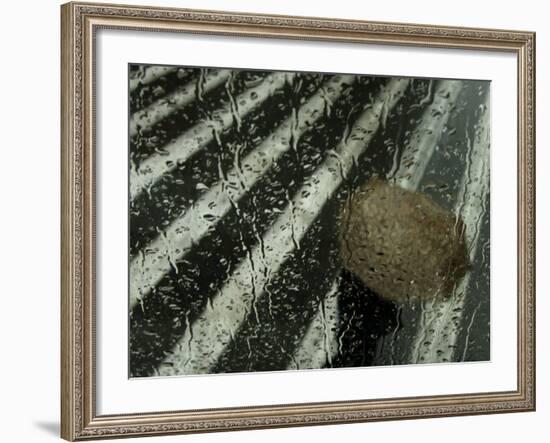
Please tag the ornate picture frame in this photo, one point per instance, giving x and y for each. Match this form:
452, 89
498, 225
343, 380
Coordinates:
79, 388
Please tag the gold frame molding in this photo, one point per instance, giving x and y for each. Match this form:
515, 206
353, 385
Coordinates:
79, 22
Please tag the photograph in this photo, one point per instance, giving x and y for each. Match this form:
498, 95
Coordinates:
289, 220
276, 220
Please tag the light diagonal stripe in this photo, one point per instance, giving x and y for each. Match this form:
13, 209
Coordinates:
436, 342
186, 145
408, 174
320, 342
151, 74
203, 342
147, 270
181, 97
425, 137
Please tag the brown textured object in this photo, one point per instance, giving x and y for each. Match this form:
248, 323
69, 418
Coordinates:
401, 243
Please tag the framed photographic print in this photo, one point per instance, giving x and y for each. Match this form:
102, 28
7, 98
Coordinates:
280, 221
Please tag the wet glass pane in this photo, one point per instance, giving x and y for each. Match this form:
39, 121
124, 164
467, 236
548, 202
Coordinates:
297, 220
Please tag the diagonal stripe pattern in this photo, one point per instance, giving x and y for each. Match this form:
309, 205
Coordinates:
147, 270
234, 313
190, 142
204, 341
